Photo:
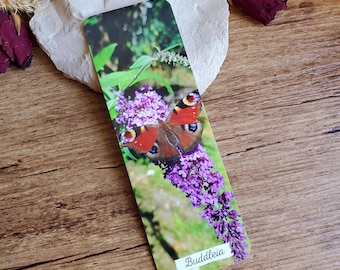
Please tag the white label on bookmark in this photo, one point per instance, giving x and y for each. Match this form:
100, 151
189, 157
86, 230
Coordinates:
204, 257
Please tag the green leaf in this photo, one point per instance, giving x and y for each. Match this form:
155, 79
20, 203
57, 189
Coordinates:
142, 62
150, 75
108, 95
118, 79
127, 154
103, 56
113, 113
111, 101
124, 79
92, 21
171, 47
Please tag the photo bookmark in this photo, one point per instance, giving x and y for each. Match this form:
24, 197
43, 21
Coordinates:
183, 193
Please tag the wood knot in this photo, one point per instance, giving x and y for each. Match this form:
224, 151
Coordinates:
61, 205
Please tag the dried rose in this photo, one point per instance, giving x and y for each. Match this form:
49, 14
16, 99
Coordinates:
17, 46
261, 10
4, 61
3, 16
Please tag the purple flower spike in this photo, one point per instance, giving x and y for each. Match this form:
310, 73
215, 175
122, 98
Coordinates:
194, 174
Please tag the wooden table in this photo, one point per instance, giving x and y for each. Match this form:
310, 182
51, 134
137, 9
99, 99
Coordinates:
65, 198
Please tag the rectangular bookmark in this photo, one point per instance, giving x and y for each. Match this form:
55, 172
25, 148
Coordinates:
184, 197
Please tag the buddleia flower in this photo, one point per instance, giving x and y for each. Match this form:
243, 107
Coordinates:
146, 108
194, 174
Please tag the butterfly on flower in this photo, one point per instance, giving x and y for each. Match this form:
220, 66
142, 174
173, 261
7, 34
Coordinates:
181, 131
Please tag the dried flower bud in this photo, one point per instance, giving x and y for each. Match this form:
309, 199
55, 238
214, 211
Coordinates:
261, 10
17, 48
4, 61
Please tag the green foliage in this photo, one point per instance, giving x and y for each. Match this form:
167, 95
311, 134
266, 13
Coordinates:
120, 80
128, 43
124, 79
103, 56
91, 21
111, 100
142, 62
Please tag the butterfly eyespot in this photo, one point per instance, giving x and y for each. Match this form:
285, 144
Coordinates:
191, 127
192, 99
154, 149
127, 136
153, 153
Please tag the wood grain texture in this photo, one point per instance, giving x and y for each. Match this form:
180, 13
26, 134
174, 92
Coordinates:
65, 198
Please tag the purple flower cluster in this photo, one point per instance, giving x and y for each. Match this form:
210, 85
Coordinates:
147, 108
225, 221
193, 173
194, 176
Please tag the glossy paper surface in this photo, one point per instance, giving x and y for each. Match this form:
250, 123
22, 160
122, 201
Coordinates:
182, 190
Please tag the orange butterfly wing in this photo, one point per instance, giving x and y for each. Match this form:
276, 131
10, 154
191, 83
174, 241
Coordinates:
187, 110
141, 139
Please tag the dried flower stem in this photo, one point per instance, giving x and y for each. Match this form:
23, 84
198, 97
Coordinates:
16, 6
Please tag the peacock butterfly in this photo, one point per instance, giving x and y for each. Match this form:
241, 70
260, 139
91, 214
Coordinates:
180, 132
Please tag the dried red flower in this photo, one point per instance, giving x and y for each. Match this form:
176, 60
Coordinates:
261, 10
4, 61
14, 48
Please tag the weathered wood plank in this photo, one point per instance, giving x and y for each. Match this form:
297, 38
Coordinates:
65, 198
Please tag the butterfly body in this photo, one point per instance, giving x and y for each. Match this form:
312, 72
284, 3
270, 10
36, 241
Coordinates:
180, 132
